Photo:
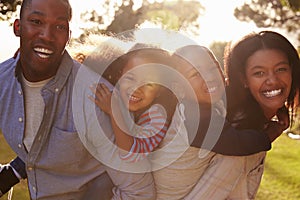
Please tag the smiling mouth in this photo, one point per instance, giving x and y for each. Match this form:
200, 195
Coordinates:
212, 89
43, 53
272, 93
134, 99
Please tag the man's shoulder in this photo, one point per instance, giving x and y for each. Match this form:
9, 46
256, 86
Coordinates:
6, 65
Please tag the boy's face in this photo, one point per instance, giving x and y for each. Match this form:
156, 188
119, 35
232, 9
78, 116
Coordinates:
138, 85
204, 76
44, 32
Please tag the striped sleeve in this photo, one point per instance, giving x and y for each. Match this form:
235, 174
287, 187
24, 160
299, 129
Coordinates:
149, 131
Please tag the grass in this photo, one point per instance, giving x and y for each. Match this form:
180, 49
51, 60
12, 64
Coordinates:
281, 179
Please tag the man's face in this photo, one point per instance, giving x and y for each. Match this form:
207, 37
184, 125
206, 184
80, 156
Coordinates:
44, 32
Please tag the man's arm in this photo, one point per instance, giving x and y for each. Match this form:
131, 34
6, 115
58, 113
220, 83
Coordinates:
10, 174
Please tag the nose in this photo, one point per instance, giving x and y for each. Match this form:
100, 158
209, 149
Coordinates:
271, 79
47, 34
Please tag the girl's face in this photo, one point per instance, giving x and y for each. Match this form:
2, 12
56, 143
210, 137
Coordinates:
204, 76
138, 86
269, 78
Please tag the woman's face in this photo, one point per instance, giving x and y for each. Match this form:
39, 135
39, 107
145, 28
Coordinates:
204, 76
269, 77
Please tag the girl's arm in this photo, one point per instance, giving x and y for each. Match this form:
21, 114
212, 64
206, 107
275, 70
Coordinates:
148, 133
150, 130
103, 100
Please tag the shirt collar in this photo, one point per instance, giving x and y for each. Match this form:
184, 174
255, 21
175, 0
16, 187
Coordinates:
59, 79
63, 72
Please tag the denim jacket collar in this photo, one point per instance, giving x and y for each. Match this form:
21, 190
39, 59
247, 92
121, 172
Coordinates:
59, 79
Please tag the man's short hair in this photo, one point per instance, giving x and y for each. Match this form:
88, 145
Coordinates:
27, 3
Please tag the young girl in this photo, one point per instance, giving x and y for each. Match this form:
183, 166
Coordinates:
178, 179
140, 90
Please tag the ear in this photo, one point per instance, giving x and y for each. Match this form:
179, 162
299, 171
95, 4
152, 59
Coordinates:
17, 27
70, 35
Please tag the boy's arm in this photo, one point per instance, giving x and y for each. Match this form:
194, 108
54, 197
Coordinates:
10, 174
239, 142
229, 140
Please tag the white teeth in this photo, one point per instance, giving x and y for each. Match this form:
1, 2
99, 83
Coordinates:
43, 53
212, 89
133, 98
43, 50
272, 93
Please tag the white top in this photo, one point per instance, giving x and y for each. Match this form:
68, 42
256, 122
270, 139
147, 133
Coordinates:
34, 109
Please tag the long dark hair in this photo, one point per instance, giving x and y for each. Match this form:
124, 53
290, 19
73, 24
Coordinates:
242, 107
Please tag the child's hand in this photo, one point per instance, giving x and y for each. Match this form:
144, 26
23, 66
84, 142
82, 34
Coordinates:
275, 128
102, 97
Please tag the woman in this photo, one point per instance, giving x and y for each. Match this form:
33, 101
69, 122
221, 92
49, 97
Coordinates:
263, 73
264, 69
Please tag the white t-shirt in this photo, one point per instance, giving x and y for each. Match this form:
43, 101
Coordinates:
34, 109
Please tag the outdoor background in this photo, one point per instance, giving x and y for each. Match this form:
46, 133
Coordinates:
212, 23
281, 179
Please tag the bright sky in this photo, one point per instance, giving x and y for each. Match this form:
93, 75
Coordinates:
218, 24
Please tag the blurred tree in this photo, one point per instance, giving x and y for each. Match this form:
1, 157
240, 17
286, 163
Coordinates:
218, 49
119, 16
8, 9
174, 15
272, 13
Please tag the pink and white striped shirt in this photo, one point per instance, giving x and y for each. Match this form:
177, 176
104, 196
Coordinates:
149, 131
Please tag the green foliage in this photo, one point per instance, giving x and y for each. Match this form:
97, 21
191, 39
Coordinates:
274, 13
293, 4
166, 18
218, 49
174, 15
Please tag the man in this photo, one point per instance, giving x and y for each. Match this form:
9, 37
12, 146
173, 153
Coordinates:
37, 118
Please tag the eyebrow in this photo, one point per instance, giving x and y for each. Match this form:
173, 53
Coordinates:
277, 64
282, 62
